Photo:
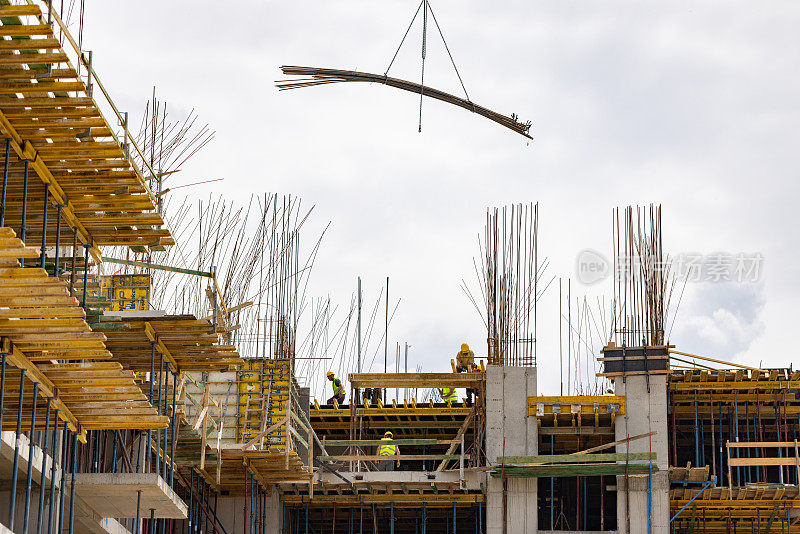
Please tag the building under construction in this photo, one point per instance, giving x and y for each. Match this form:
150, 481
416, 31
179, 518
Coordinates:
137, 395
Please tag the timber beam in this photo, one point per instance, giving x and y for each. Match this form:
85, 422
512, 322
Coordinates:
46, 387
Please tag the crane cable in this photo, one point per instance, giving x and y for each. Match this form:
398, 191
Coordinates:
425, 6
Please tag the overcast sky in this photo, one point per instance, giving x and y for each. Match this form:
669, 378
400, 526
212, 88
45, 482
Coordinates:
690, 104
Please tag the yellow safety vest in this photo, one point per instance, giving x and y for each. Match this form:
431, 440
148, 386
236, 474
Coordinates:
387, 450
338, 390
449, 394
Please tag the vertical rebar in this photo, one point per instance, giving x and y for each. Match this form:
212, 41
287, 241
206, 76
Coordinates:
359, 330
5, 183
158, 412
137, 525
53, 463
44, 222
62, 485
85, 274
2, 387
72, 485
29, 475
386, 339
23, 223
191, 501
148, 457
59, 208
173, 426
42, 486
15, 468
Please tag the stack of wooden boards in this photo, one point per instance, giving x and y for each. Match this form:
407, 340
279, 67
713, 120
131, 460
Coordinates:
52, 120
43, 331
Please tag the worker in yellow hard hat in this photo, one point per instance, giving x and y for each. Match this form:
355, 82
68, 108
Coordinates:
465, 359
388, 449
338, 389
465, 362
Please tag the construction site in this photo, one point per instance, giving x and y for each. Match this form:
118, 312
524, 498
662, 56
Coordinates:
156, 375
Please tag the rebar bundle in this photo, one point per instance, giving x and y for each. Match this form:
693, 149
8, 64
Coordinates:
510, 284
322, 76
256, 293
168, 144
642, 278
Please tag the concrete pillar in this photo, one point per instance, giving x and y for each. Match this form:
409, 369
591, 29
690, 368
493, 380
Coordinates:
510, 431
645, 411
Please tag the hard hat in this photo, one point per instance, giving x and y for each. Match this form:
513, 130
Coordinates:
388, 434
464, 347
330, 374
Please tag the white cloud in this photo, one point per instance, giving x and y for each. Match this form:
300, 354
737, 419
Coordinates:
693, 104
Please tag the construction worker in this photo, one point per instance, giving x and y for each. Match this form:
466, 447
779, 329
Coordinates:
465, 362
465, 359
449, 395
338, 389
609, 393
388, 450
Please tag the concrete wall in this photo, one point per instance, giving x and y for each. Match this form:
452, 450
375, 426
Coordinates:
230, 511
644, 412
510, 431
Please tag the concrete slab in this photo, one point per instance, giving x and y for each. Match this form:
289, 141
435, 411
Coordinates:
115, 495
7, 442
87, 521
472, 479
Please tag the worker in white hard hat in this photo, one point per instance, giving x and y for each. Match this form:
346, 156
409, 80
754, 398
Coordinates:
338, 389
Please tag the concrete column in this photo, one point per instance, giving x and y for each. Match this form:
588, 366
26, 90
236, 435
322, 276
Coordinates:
644, 412
510, 431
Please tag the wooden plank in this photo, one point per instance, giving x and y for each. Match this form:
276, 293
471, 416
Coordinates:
615, 443
573, 458
265, 433
419, 380
707, 359
298, 436
748, 444
399, 500
19, 10
739, 462
461, 431
737, 385
396, 457
27, 59
571, 470
378, 442
46, 388
25, 30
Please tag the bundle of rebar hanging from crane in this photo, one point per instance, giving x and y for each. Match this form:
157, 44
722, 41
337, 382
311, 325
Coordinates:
321, 76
